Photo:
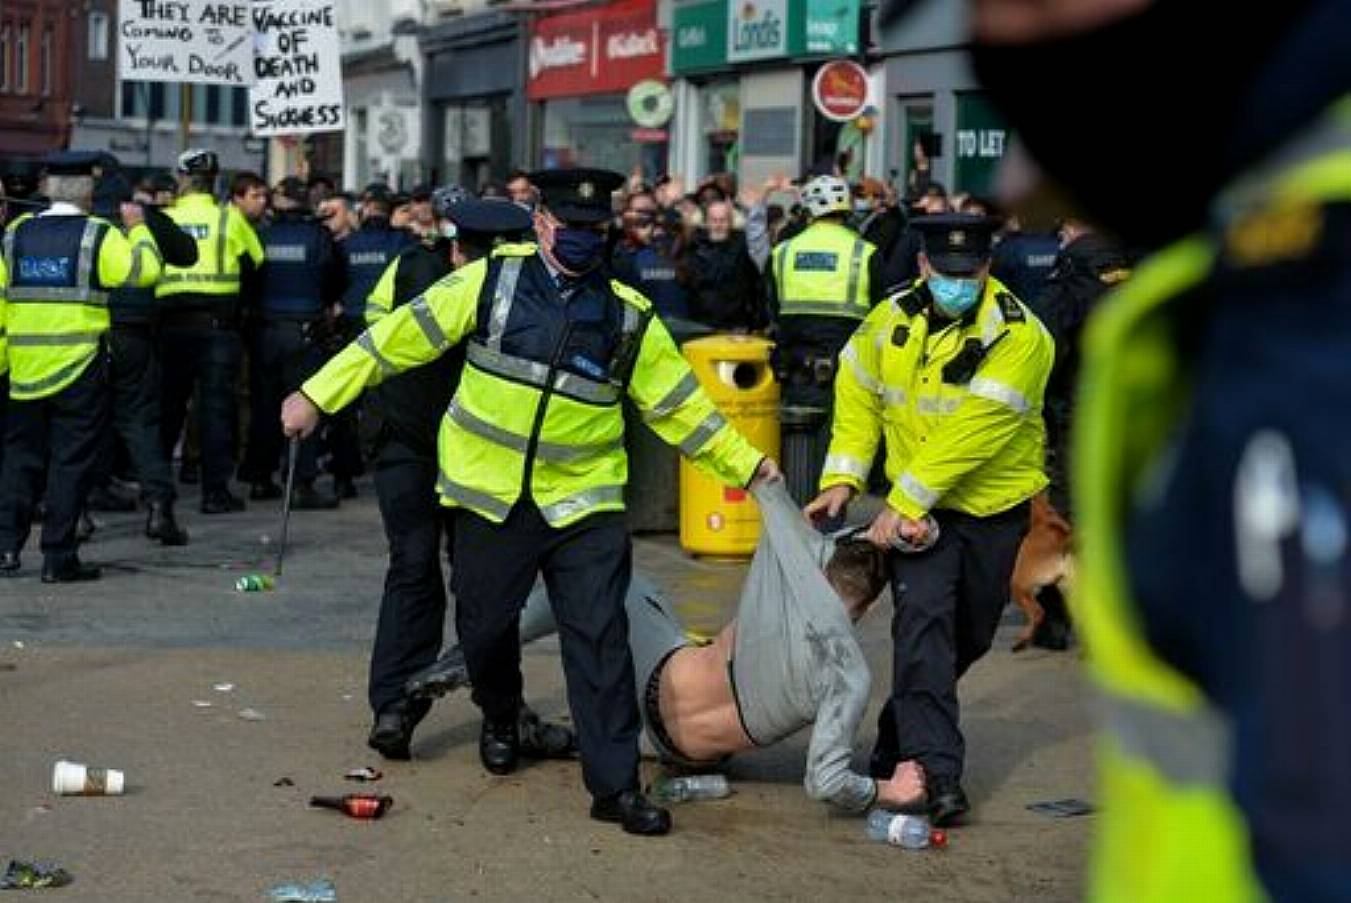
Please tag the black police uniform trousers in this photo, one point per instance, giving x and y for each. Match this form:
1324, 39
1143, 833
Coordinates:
413, 607
282, 358
201, 352
587, 566
134, 375
60, 436
948, 605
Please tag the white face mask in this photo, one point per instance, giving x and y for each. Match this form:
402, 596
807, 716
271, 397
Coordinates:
863, 205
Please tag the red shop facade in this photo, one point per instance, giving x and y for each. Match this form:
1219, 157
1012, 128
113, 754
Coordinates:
581, 66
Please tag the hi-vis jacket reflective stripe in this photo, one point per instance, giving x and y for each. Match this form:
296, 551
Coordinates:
513, 406
4, 343
966, 438
61, 270
823, 271
223, 237
1169, 828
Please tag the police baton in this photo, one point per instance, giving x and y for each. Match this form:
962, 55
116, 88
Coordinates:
292, 451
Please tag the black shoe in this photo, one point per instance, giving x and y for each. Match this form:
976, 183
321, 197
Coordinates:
307, 498
540, 739
105, 498
221, 501
445, 675
392, 734
189, 474
9, 563
499, 746
632, 810
72, 571
160, 524
1054, 631
947, 801
344, 487
85, 527
263, 492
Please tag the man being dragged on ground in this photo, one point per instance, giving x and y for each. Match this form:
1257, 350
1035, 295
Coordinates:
788, 660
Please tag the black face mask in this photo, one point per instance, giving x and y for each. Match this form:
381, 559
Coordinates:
1133, 118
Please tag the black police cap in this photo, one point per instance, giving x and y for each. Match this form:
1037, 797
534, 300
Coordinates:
378, 192
578, 195
957, 244
488, 216
77, 163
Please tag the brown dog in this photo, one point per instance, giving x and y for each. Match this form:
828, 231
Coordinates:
1044, 559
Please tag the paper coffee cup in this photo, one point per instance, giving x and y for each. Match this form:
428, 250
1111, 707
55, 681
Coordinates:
75, 779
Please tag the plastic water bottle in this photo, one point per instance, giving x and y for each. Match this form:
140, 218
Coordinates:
692, 787
910, 832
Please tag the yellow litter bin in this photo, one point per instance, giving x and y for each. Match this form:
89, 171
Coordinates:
718, 520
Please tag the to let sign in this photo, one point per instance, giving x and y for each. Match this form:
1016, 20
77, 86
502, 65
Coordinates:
195, 41
600, 51
299, 69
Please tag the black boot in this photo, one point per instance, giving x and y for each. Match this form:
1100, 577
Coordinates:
221, 501
307, 498
160, 524
72, 570
9, 563
947, 801
392, 734
85, 527
445, 675
499, 745
632, 810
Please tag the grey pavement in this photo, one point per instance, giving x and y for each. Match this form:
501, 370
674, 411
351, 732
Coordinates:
116, 673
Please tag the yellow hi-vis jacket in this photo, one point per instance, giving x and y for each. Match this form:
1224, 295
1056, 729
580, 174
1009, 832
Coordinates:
223, 237
959, 404
824, 271
53, 331
4, 343
508, 407
1169, 829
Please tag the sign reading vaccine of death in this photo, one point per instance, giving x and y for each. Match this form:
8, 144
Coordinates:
298, 68
194, 41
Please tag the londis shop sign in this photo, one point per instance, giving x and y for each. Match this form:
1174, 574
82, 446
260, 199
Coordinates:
756, 30
762, 30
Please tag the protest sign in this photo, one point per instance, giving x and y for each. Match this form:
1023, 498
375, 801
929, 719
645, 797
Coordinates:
298, 67
185, 41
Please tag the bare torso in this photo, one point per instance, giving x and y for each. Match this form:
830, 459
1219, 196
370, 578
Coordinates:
698, 707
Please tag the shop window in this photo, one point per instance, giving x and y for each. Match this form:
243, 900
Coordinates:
21, 61
721, 126
597, 131
98, 36
4, 58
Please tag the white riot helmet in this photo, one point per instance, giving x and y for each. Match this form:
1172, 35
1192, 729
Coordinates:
826, 194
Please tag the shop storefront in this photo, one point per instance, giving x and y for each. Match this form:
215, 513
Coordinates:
581, 67
743, 71
475, 119
933, 99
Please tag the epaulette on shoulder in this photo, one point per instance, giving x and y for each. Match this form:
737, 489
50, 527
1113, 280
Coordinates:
911, 298
630, 295
1010, 307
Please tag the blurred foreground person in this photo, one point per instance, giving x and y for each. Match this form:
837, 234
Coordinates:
1210, 481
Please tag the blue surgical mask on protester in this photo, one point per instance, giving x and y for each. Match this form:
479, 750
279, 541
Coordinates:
578, 250
952, 296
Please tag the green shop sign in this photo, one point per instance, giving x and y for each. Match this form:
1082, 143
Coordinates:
712, 34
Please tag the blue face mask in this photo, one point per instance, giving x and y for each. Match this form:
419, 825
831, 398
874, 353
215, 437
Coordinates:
578, 250
953, 297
